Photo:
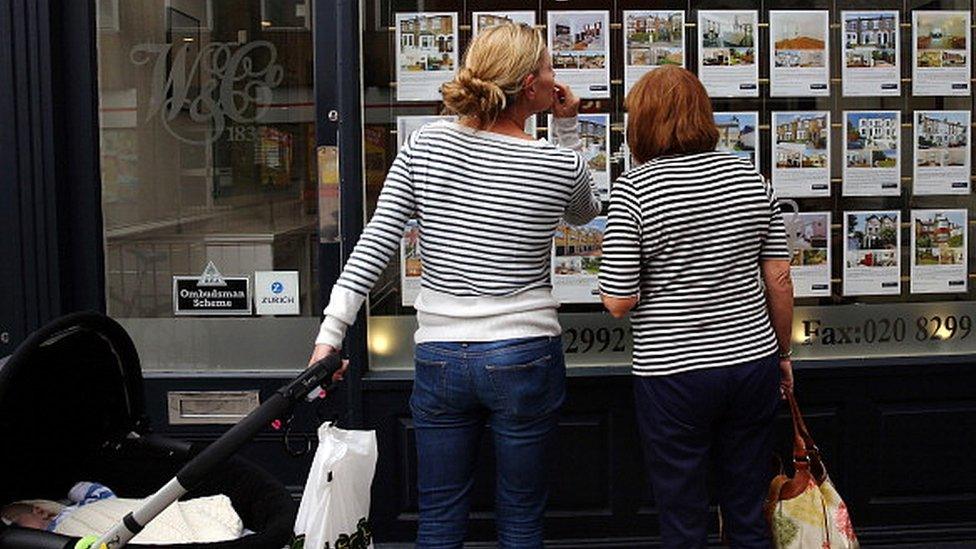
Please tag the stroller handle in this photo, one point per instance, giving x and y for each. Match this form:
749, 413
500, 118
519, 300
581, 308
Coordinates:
218, 451
224, 447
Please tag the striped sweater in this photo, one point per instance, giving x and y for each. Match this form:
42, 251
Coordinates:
487, 206
686, 234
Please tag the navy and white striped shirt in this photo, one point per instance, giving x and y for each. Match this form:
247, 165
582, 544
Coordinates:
686, 233
488, 206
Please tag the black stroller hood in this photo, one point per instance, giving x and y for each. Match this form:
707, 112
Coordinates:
71, 388
70, 397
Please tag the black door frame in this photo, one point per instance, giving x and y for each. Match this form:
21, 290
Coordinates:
50, 187
338, 115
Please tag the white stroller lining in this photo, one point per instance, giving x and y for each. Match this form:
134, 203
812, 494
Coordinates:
201, 520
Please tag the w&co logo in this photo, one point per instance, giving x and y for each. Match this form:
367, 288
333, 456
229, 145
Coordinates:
223, 81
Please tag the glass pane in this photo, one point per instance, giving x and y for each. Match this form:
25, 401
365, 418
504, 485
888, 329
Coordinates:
843, 78
208, 155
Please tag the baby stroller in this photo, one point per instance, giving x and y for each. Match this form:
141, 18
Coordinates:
71, 408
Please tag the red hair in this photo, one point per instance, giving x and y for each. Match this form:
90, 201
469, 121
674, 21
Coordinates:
669, 112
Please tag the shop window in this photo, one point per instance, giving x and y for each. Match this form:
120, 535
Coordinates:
208, 157
879, 207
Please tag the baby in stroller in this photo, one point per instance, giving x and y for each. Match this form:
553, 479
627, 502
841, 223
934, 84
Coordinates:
92, 508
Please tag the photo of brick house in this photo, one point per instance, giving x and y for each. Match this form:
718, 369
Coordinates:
427, 43
941, 138
578, 249
801, 140
870, 40
655, 38
940, 237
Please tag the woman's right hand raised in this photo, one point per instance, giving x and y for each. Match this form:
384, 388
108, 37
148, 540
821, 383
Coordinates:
565, 104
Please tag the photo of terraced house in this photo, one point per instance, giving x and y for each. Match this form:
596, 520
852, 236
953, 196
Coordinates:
870, 40
941, 139
427, 43
485, 20
655, 38
801, 140
872, 139
578, 250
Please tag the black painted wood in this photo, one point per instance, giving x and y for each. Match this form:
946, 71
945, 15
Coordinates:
75, 136
339, 123
349, 88
50, 215
895, 438
29, 264
13, 301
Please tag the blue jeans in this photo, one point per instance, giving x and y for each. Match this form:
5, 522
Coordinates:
516, 386
722, 413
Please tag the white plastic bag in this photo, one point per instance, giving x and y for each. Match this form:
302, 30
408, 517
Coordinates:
334, 513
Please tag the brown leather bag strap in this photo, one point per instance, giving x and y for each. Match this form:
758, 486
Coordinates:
799, 441
804, 432
803, 444
804, 448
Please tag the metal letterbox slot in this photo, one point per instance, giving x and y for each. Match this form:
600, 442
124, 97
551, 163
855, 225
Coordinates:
210, 407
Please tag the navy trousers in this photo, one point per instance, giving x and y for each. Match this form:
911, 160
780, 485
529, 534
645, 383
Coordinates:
690, 420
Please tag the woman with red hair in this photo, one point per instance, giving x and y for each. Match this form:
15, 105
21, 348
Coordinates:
695, 246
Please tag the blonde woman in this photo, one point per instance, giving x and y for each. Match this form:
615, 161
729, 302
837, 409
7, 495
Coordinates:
488, 198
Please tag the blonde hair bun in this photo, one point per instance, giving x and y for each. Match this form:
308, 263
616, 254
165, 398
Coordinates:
468, 95
495, 66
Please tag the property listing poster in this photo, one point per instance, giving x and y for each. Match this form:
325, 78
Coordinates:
872, 145
427, 56
579, 43
942, 152
809, 238
406, 125
872, 253
800, 54
594, 131
577, 252
410, 267
531, 127
801, 154
941, 64
652, 39
939, 245
728, 52
481, 20
738, 134
625, 148
872, 53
